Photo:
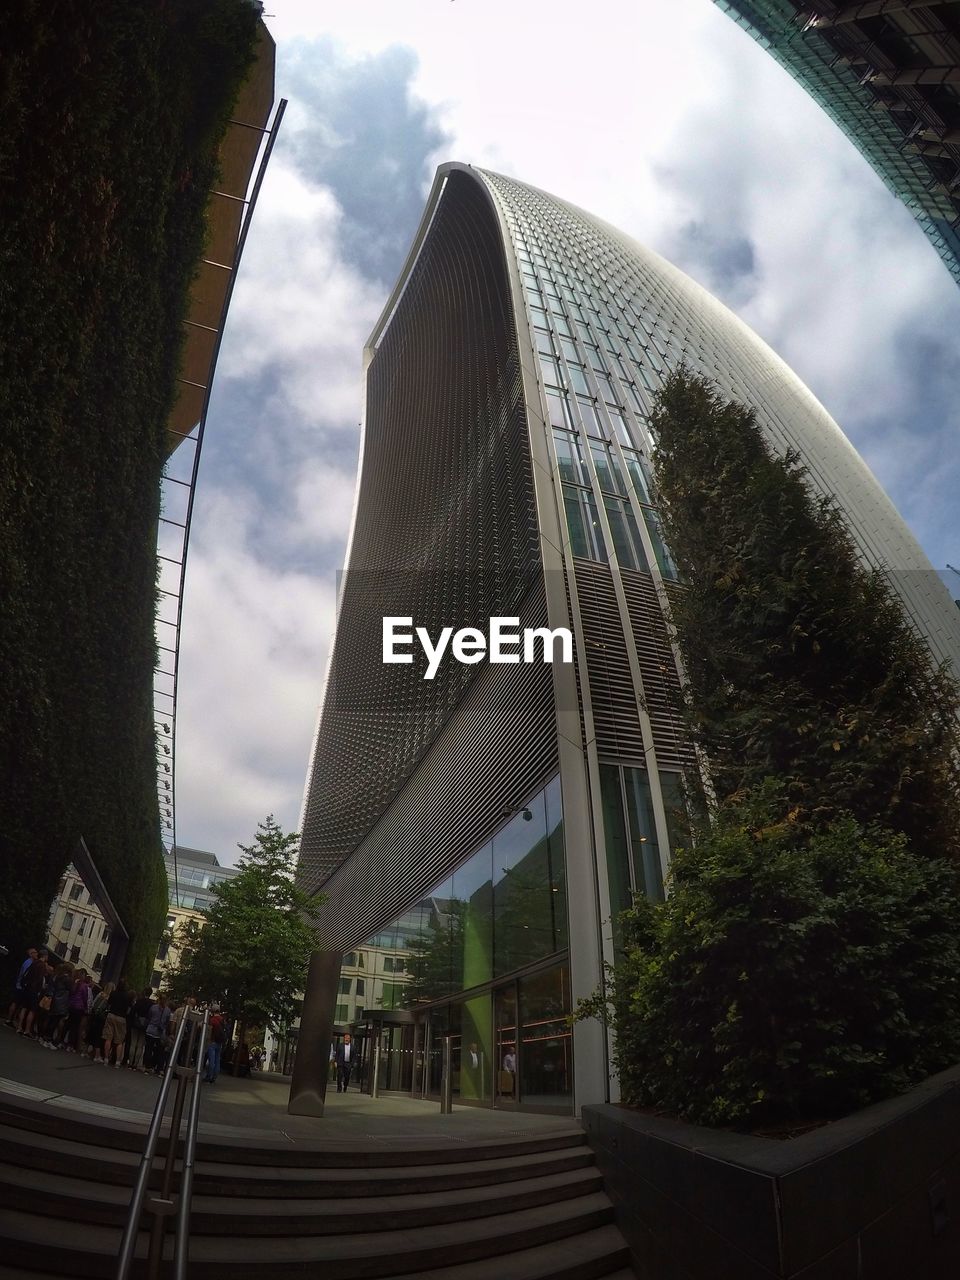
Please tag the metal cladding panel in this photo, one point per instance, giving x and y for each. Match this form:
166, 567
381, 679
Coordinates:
445, 532
496, 749
612, 694
658, 671
656, 318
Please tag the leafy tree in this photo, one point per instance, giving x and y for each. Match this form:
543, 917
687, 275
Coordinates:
806, 959
253, 952
788, 976
801, 663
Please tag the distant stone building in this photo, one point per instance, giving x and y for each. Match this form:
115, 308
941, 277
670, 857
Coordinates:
193, 875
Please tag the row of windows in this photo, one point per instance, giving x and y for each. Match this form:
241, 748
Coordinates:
70, 919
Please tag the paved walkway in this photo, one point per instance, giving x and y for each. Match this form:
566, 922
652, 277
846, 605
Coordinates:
256, 1106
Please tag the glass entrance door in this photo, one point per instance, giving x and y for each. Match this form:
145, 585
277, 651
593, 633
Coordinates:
506, 1076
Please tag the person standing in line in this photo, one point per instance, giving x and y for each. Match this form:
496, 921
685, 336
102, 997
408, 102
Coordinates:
16, 1004
59, 1007
346, 1057
34, 980
217, 1032
115, 1026
98, 1020
155, 1035
137, 1029
78, 1006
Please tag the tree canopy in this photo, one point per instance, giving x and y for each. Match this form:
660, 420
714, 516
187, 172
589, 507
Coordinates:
806, 959
252, 954
800, 662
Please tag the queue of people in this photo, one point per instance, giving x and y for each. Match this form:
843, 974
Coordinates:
62, 1008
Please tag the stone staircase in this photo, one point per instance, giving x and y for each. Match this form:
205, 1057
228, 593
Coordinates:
509, 1208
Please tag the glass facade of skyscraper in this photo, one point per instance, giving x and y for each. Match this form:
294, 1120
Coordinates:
501, 817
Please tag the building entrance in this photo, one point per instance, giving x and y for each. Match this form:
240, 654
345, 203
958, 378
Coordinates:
395, 1032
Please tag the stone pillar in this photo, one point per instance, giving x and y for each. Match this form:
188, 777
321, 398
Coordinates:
311, 1068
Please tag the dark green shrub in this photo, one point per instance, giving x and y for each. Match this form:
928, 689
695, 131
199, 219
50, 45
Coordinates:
789, 975
112, 114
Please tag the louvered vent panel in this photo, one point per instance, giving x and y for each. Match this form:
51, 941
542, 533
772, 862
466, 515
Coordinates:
499, 745
445, 528
612, 696
658, 671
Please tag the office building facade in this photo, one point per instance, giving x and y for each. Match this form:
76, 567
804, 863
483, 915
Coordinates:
888, 73
505, 471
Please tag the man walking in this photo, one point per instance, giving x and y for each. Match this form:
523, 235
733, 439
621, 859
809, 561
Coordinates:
346, 1056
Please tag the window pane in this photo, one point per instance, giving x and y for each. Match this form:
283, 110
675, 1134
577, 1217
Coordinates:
615, 841
609, 473
551, 371
640, 477
525, 927
623, 530
546, 1075
472, 921
664, 559
589, 418
558, 411
558, 866
570, 458
583, 523
578, 381
644, 849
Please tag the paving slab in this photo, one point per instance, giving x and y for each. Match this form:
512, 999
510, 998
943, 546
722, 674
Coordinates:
255, 1107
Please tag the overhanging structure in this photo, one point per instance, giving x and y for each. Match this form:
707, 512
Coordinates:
243, 157
888, 73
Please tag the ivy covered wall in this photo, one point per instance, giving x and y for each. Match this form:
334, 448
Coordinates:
112, 115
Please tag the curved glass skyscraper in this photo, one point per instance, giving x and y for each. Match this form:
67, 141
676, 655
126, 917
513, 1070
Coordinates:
476, 833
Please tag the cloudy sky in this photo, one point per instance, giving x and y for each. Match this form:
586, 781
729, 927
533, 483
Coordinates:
659, 116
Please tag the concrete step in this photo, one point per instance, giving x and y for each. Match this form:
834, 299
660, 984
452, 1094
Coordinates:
216, 1178
590, 1256
249, 1148
74, 1199
599, 1252
89, 1250
111, 1165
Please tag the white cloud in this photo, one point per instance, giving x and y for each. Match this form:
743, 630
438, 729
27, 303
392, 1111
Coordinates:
300, 313
663, 118
254, 644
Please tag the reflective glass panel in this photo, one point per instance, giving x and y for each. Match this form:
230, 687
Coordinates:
570, 458
644, 849
525, 925
609, 473
472, 921
583, 522
546, 1060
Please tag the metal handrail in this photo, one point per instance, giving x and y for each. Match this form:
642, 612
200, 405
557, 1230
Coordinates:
181, 1239
162, 1206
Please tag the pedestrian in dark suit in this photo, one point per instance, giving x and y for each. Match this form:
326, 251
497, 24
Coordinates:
345, 1058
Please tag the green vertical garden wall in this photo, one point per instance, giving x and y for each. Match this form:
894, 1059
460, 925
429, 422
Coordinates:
112, 116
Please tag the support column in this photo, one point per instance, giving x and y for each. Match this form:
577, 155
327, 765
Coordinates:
311, 1069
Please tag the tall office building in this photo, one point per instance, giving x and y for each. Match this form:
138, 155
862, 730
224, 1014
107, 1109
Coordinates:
506, 813
888, 73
